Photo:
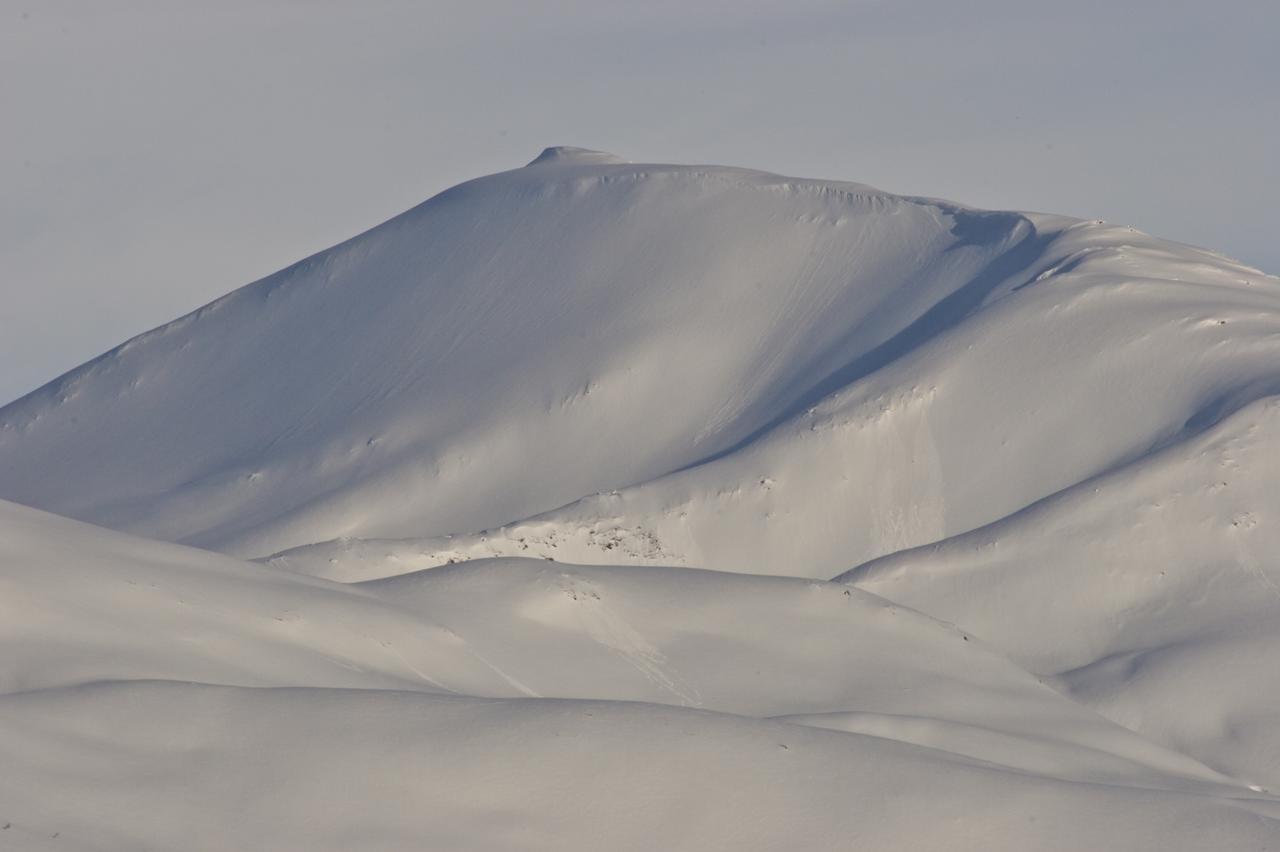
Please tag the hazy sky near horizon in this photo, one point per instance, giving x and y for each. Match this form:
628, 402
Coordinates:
159, 153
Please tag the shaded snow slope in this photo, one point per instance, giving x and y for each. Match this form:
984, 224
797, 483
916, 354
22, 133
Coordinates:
775, 375
1115, 346
506, 347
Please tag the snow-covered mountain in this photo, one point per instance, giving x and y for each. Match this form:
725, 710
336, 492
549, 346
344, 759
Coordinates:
481, 452
731, 351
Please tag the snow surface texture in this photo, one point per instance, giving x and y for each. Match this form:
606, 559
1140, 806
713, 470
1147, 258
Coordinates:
484, 453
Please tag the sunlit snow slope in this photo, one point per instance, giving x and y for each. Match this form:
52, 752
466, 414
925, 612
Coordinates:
545, 481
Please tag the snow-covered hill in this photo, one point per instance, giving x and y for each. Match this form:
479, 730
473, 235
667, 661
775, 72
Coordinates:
96, 602
485, 454
517, 704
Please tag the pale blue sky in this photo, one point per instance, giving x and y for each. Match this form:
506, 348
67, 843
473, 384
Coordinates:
158, 153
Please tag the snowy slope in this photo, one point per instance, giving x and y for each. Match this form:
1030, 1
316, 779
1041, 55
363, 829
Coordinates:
1153, 593
508, 346
344, 769
808, 374
89, 605
111, 742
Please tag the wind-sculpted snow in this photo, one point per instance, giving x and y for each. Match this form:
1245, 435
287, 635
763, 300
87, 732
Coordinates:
545, 481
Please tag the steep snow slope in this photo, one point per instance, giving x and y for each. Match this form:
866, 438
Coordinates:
1115, 345
513, 344
1153, 592
793, 375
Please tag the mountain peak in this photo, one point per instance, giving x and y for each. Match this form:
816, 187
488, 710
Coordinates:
570, 154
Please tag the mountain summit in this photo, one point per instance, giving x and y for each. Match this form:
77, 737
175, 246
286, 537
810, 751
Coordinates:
570, 154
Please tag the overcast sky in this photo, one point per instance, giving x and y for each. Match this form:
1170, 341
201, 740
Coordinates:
158, 154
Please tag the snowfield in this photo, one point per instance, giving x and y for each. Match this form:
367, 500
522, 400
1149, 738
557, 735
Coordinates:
598, 505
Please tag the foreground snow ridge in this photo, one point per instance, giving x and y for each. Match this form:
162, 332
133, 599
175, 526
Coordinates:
608, 505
